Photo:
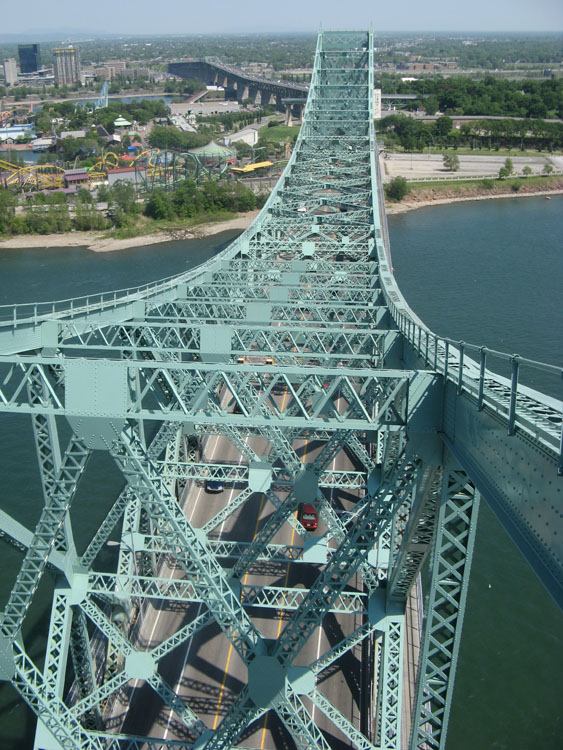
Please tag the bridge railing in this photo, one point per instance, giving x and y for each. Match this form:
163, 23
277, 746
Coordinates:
468, 366
453, 177
507, 396
31, 313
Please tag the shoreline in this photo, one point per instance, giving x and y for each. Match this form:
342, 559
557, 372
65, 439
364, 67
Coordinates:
404, 206
97, 242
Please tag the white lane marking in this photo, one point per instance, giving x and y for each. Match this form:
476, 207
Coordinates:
317, 657
191, 639
164, 736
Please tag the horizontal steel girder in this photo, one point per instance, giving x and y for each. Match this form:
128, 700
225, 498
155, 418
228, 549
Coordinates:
87, 383
184, 591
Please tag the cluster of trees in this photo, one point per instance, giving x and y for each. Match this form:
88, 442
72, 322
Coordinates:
189, 200
491, 96
185, 87
56, 212
168, 137
48, 214
77, 116
416, 135
139, 110
235, 120
396, 189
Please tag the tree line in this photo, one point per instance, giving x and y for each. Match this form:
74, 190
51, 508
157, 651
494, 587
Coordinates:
190, 201
56, 212
484, 53
491, 96
416, 135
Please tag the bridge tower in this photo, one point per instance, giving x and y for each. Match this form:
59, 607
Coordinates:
289, 445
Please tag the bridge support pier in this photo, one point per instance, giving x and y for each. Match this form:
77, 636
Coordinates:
288, 115
242, 93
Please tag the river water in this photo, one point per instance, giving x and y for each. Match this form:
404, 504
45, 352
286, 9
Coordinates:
487, 272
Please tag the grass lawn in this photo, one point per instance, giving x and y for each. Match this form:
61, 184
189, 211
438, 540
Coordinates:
278, 133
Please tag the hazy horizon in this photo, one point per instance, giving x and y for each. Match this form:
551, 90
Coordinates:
222, 17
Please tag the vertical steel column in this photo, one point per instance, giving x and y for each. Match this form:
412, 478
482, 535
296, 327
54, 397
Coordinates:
392, 686
55, 657
83, 662
451, 566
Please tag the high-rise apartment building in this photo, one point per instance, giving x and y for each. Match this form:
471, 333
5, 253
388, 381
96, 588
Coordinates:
10, 71
66, 64
30, 57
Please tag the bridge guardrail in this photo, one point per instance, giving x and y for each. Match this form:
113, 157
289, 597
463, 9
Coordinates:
33, 313
507, 397
448, 356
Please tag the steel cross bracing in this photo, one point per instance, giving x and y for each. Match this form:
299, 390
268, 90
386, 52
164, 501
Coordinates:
288, 370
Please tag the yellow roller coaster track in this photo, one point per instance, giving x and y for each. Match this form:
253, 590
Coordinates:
37, 175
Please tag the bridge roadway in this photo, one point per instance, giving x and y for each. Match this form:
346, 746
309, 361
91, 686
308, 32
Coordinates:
206, 671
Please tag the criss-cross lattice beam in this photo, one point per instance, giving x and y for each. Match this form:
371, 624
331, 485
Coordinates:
451, 566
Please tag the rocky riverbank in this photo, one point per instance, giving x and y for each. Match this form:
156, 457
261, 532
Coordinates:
473, 191
99, 242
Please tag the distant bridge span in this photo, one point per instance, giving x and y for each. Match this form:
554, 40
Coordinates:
237, 83
244, 86
288, 371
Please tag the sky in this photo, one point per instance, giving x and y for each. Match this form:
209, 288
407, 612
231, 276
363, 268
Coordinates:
224, 16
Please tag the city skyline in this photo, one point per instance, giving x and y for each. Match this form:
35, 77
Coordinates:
222, 17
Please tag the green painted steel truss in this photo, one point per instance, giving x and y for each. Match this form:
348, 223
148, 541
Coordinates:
285, 371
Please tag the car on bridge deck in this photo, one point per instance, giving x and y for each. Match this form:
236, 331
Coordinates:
213, 486
308, 517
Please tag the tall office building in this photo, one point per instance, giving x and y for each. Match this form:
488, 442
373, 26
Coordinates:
10, 71
30, 57
66, 63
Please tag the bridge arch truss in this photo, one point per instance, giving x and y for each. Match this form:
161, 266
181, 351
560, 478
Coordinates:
294, 348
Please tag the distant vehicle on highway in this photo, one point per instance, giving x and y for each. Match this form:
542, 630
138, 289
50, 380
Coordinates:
213, 486
308, 517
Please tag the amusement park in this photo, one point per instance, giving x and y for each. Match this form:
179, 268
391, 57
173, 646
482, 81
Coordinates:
67, 147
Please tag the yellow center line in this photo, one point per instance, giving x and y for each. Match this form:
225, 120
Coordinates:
230, 653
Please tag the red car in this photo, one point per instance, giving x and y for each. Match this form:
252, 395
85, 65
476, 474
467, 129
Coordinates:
308, 517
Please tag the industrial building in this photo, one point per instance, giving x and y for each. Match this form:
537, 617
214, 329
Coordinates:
66, 63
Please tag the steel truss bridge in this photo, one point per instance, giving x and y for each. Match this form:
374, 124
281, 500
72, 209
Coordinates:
287, 370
